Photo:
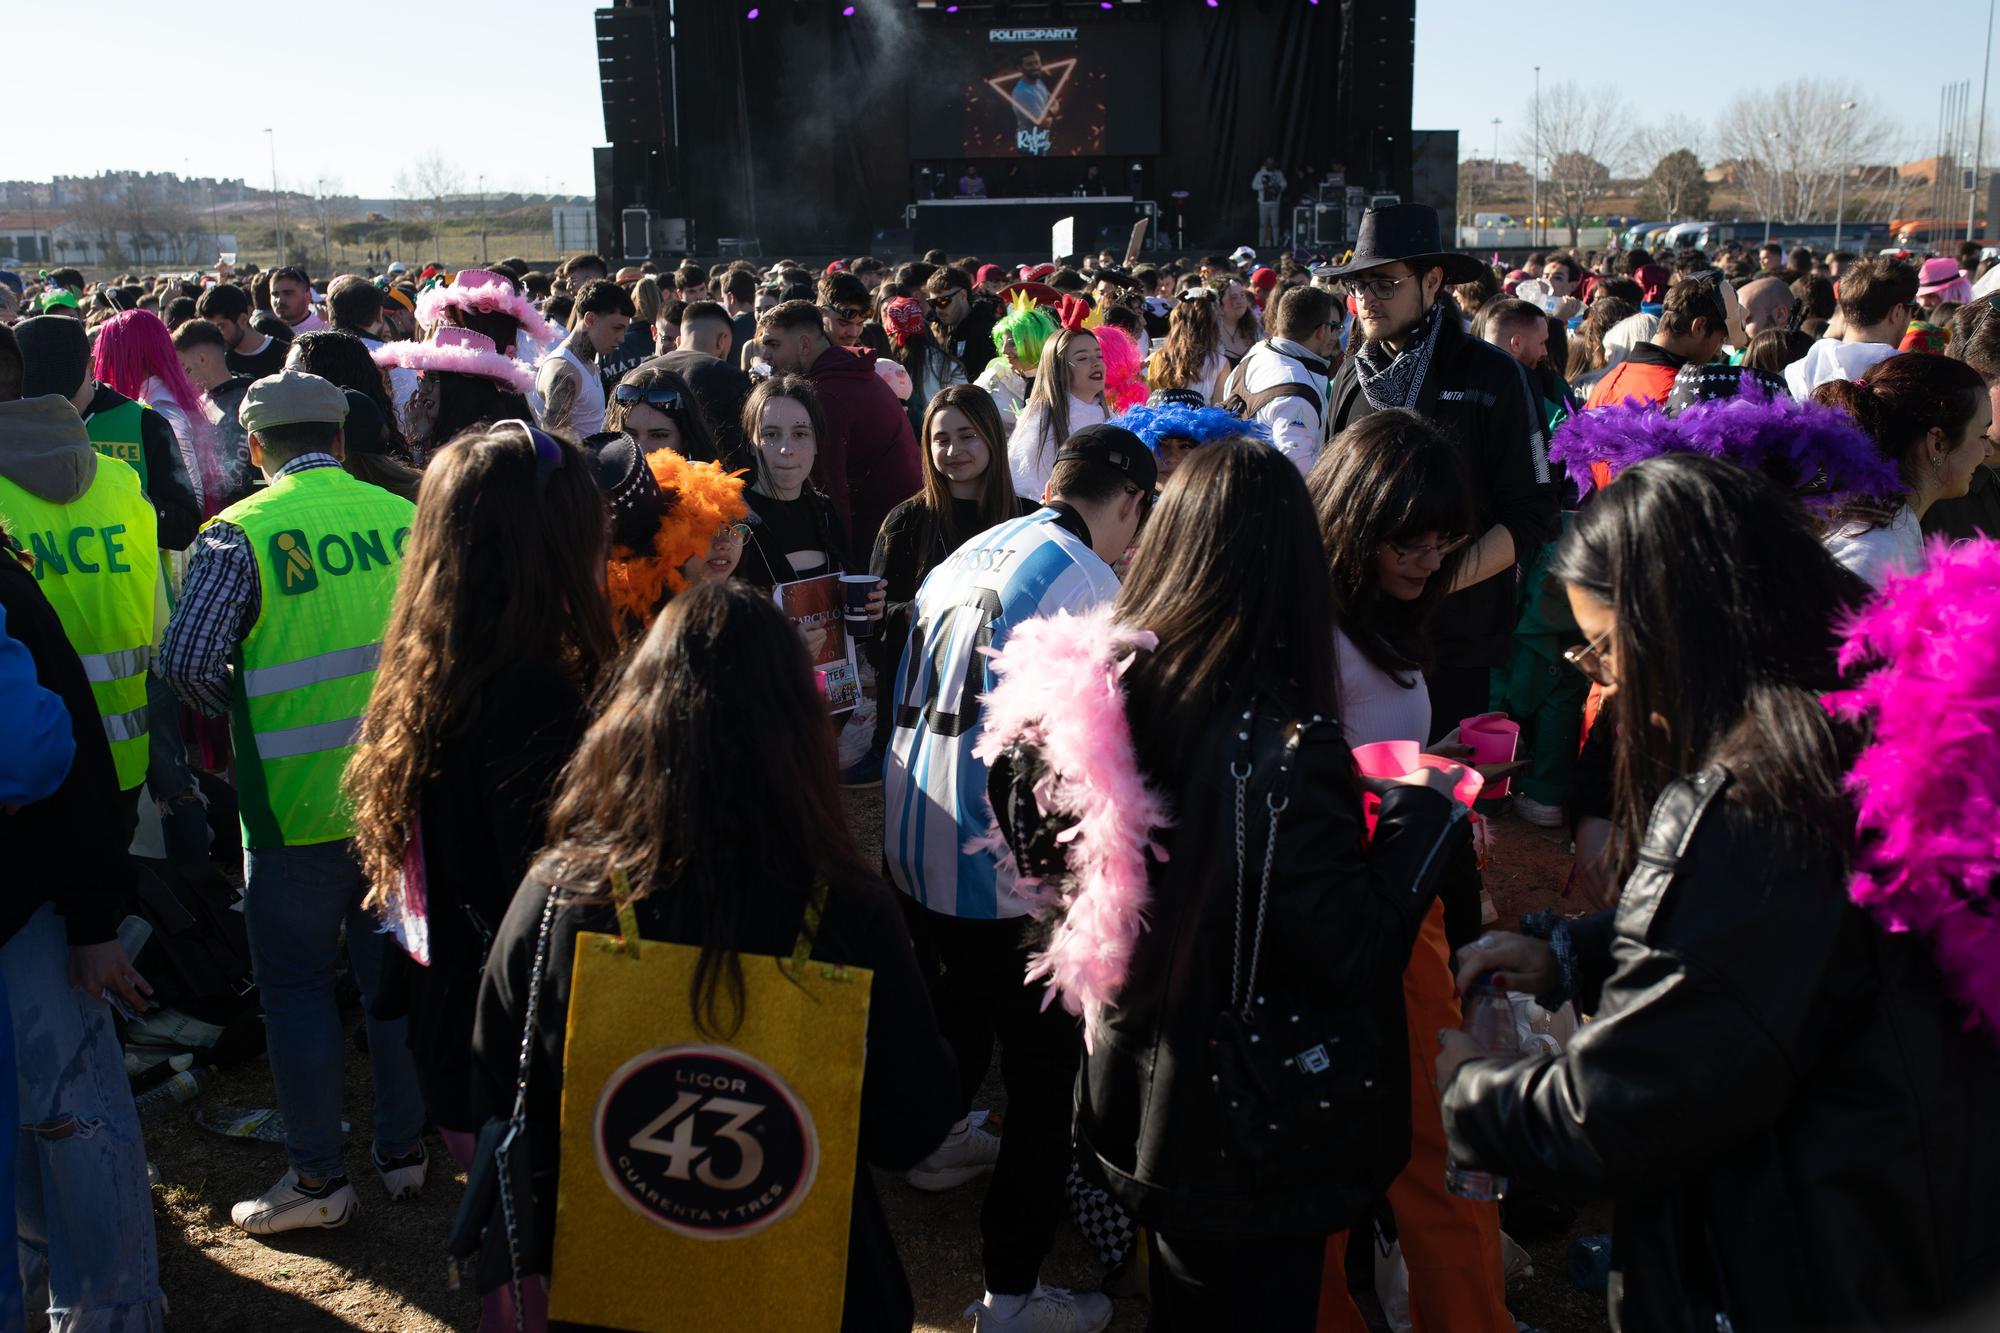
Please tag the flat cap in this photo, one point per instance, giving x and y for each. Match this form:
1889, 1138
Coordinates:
289, 398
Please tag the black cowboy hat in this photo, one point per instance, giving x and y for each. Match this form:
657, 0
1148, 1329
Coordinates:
1405, 234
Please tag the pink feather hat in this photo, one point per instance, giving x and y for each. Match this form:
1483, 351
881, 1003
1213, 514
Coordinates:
489, 293
457, 351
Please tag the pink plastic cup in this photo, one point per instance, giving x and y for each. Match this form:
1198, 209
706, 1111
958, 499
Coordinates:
1494, 740
1383, 759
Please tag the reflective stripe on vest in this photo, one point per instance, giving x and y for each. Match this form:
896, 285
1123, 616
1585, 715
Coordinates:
97, 560
119, 432
328, 550
315, 670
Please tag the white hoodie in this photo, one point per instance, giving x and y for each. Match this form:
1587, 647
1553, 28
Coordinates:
1832, 359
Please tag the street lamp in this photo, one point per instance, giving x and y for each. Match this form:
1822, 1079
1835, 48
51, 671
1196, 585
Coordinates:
1535, 232
482, 220
1771, 198
277, 208
1496, 149
1840, 195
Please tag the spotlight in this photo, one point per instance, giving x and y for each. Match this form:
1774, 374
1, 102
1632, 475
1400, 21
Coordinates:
753, 13
848, 12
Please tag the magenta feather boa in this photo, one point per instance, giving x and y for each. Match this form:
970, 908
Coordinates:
1807, 447
1058, 693
1925, 785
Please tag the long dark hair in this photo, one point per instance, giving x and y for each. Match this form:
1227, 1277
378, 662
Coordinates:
1727, 606
1898, 401
1231, 576
697, 435
996, 485
659, 788
468, 401
504, 565
1389, 477
342, 360
1194, 334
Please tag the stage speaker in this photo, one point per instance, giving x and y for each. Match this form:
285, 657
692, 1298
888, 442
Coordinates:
628, 75
636, 233
1377, 68
670, 236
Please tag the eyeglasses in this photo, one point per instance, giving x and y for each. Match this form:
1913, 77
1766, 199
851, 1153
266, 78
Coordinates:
1407, 554
847, 314
733, 534
652, 395
548, 453
1375, 289
1589, 659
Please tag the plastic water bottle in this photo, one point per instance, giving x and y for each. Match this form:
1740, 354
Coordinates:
182, 1087
1489, 1020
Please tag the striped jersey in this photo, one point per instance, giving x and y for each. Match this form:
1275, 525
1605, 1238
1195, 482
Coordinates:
933, 789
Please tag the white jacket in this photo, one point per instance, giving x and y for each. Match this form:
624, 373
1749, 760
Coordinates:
1297, 427
1832, 359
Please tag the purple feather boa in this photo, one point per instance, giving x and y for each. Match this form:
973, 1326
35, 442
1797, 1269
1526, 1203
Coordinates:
1928, 807
1812, 449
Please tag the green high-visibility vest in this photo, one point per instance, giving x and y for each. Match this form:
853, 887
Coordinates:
116, 434
97, 560
329, 550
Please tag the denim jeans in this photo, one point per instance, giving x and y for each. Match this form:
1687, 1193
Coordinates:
81, 1203
296, 900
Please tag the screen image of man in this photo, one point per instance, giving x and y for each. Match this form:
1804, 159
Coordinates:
1035, 106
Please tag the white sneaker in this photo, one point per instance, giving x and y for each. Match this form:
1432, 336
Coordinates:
286, 1206
967, 1151
1541, 816
1047, 1310
402, 1176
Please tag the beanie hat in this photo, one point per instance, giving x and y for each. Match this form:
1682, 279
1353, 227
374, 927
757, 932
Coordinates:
55, 355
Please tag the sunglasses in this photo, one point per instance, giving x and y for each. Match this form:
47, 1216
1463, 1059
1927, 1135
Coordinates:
1406, 554
847, 314
1589, 659
652, 395
548, 453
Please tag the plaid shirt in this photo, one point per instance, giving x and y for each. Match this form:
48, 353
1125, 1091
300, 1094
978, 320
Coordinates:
219, 602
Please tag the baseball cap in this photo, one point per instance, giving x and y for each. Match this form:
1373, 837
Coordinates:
1243, 254
289, 398
1113, 447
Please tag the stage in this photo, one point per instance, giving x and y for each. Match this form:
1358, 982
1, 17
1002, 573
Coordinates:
1022, 226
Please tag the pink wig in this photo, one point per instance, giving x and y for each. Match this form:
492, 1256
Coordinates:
133, 346
1058, 693
134, 351
1123, 387
1929, 813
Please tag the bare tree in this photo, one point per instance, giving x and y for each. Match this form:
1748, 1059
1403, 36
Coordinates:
1658, 136
430, 183
1676, 190
1583, 143
1791, 144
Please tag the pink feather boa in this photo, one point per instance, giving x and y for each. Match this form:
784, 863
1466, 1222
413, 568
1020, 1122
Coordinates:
1058, 693
487, 293
1929, 808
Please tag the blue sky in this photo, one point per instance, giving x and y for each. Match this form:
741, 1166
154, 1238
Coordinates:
1474, 61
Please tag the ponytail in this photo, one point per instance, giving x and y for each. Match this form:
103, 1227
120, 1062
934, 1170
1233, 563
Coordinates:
1897, 403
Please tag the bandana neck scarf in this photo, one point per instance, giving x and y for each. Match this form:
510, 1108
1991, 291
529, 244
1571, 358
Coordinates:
1393, 379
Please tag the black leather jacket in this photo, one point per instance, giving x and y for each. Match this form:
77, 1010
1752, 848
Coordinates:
1337, 934
1797, 1129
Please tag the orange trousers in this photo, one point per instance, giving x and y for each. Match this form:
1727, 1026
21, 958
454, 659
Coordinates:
1450, 1245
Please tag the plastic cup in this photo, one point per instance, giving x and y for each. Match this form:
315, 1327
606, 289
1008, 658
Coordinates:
1469, 781
1493, 739
855, 591
1382, 759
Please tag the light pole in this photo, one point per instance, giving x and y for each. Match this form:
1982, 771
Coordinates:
1979, 139
1840, 189
1496, 149
482, 220
1535, 227
1771, 198
277, 208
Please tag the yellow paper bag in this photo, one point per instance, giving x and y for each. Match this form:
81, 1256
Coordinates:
706, 1184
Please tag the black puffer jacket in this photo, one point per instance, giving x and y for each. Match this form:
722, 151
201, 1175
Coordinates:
1151, 1120
1797, 1129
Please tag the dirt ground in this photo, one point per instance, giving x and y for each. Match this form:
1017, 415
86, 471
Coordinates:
385, 1271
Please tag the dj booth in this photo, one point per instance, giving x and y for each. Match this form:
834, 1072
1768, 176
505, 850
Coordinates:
1021, 226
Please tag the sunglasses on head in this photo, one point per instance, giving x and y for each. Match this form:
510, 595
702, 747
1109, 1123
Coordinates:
652, 395
548, 452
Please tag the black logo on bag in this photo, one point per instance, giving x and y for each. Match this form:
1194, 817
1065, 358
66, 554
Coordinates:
705, 1141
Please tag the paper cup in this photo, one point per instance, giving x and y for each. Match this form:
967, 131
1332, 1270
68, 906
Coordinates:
855, 591
1493, 739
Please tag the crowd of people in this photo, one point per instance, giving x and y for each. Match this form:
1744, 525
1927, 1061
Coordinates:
454, 618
